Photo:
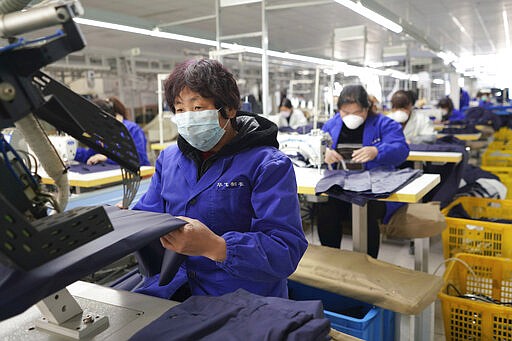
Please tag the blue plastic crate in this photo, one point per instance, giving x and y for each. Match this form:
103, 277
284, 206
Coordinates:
347, 315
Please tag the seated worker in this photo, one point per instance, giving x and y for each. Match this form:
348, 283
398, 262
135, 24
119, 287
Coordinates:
383, 145
114, 107
449, 112
417, 128
484, 98
290, 117
228, 180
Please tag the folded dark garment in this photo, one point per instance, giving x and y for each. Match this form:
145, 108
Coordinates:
132, 230
83, 168
360, 186
239, 315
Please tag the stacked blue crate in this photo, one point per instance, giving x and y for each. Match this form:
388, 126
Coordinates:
347, 315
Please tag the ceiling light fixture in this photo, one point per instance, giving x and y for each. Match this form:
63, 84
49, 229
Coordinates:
335, 65
152, 33
506, 27
369, 14
459, 25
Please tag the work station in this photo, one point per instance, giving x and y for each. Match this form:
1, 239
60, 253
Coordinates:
255, 170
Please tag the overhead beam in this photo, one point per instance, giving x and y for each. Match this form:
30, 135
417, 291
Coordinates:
299, 4
241, 35
187, 21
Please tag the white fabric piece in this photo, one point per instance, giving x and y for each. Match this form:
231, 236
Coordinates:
297, 119
493, 187
419, 129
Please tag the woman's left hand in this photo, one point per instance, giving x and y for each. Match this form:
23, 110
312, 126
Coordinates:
195, 239
364, 154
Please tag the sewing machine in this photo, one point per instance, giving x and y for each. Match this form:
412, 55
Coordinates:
307, 150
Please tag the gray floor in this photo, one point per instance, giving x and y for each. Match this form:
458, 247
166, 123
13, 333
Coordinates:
397, 252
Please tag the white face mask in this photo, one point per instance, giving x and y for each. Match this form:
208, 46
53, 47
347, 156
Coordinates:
352, 121
399, 116
200, 128
285, 114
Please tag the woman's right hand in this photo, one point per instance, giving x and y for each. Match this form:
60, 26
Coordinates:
96, 158
332, 156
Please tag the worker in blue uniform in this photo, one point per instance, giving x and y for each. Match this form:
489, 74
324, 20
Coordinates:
450, 114
113, 106
228, 180
383, 144
463, 99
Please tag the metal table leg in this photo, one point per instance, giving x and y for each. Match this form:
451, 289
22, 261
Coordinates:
360, 228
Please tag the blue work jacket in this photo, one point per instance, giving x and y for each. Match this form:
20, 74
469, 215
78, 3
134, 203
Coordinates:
250, 199
385, 134
456, 115
379, 131
139, 139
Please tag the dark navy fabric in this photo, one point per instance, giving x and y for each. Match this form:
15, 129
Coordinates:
83, 168
132, 230
451, 173
139, 139
472, 173
239, 316
480, 115
467, 129
458, 211
360, 186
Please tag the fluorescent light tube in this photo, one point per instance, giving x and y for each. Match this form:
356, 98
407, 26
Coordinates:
336, 65
459, 25
152, 33
369, 14
506, 27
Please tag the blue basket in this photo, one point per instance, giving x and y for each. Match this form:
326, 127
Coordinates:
347, 315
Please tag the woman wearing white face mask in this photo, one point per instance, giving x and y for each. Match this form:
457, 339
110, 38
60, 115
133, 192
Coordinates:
418, 128
227, 179
291, 117
383, 145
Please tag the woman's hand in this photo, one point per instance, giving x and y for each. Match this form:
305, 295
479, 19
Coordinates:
365, 154
195, 239
97, 158
332, 156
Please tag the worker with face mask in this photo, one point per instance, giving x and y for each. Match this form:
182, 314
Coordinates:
289, 116
227, 179
383, 144
449, 113
417, 128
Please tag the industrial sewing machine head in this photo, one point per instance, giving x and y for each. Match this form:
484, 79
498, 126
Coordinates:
307, 150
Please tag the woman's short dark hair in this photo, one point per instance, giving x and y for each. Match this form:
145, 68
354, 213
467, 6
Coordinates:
446, 103
207, 77
354, 94
401, 99
286, 103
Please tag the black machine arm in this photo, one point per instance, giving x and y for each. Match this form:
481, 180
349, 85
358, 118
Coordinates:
27, 232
